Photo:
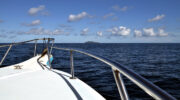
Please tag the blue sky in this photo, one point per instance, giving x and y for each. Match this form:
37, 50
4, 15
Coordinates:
77, 21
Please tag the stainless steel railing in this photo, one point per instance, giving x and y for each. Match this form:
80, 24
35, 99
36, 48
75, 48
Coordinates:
45, 40
118, 70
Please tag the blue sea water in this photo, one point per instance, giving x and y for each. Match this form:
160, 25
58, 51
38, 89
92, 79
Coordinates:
159, 63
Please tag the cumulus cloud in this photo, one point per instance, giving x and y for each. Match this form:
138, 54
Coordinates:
84, 31
117, 8
157, 18
121, 31
33, 23
99, 33
108, 15
137, 33
77, 17
149, 32
42, 31
57, 31
162, 33
35, 10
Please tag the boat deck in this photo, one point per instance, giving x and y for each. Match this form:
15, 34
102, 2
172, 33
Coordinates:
31, 82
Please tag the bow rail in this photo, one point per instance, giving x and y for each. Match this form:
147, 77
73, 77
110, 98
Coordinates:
118, 70
48, 40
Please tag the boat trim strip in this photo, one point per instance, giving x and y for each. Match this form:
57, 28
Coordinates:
71, 87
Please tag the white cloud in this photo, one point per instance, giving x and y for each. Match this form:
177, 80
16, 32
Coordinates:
157, 18
57, 31
42, 31
149, 32
85, 31
108, 15
162, 33
77, 17
33, 23
99, 33
121, 31
137, 33
117, 8
35, 10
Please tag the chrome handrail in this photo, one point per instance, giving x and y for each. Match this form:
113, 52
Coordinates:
17, 43
118, 69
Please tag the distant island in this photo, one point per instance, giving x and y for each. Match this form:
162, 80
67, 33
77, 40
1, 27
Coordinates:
91, 42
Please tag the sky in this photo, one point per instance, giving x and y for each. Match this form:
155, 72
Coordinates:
78, 21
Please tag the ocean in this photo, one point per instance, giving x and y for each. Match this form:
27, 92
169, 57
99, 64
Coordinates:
159, 63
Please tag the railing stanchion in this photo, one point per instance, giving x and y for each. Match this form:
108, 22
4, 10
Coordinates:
120, 84
35, 47
51, 46
5, 54
72, 64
